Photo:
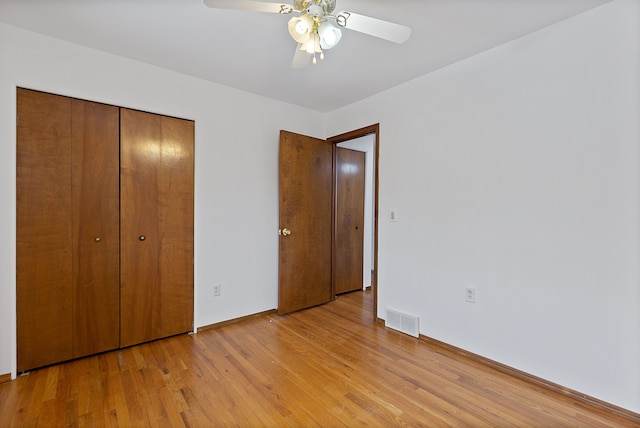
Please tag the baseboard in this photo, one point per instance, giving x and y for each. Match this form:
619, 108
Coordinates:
235, 320
543, 383
579, 397
5, 377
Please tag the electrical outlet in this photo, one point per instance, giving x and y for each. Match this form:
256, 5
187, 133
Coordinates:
216, 290
470, 295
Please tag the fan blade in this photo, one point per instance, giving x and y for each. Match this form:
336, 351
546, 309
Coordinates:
374, 27
301, 58
256, 6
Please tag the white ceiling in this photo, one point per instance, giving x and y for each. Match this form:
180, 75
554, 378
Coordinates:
253, 51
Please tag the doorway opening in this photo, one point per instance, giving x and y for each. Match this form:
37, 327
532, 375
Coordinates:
307, 215
364, 140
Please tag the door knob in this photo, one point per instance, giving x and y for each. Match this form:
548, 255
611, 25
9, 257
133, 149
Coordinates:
284, 232
142, 237
97, 239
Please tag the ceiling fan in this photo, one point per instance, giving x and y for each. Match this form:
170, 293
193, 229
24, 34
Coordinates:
313, 26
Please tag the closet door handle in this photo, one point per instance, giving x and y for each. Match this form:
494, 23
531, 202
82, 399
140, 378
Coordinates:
142, 237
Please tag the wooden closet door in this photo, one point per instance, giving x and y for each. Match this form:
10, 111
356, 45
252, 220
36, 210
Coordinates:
95, 190
156, 226
43, 229
67, 196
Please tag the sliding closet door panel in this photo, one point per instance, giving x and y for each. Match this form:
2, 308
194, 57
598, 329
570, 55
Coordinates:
95, 200
44, 229
156, 200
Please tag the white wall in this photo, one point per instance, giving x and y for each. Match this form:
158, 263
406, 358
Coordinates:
516, 172
236, 172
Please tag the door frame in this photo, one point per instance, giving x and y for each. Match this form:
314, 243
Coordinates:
351, 135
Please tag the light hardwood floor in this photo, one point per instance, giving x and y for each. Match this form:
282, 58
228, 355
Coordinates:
328, 366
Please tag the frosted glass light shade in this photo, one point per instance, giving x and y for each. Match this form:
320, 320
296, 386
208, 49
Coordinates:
312, 45
300, 28
329, 35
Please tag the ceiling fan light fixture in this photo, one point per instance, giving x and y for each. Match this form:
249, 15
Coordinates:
312, 30
312, 45
329, 35
315, 9
300, 28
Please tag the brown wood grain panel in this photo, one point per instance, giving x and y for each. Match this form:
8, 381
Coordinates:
349, 232
95, 189
44, 229
306, 181
331, 365
156, 211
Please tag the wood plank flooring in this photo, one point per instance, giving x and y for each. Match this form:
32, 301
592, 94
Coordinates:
328, 366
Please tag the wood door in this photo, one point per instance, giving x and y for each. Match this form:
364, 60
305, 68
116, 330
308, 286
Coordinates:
156, 225
43, 231
349, 233
95, 191
306, 171
67, 195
